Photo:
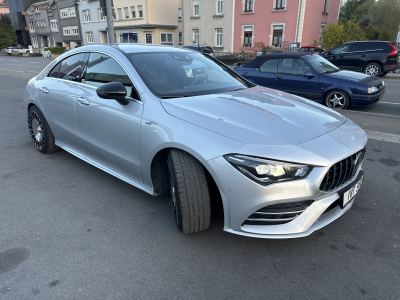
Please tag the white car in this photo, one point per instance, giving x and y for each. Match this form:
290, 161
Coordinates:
21, 50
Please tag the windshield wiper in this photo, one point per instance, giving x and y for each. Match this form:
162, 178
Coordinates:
180, 96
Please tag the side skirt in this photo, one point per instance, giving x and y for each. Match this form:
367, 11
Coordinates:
105, 168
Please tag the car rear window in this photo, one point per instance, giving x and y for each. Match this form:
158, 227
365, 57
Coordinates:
378, 46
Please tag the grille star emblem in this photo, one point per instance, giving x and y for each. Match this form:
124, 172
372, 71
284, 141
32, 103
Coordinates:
353, 138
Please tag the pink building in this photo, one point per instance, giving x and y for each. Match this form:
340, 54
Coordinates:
4, 7
277, 23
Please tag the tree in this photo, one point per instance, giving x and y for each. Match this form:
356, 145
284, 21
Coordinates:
8, 37
356, 10
384, 17
338, 33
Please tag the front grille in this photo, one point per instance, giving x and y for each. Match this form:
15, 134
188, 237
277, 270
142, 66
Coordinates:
278, 213
342, 171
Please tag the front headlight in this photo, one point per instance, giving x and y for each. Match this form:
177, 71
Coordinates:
372, 89
383, 83
265, 171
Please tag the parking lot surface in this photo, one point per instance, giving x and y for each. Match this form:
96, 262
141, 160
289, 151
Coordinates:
71, 231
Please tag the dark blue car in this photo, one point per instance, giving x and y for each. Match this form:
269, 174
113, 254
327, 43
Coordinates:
313, 77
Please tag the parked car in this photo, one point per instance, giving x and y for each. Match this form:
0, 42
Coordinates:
375, 58
313, 77
21, 50
311, 49
202, 49
282, 165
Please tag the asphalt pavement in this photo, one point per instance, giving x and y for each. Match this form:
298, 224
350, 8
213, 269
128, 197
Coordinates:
71, 231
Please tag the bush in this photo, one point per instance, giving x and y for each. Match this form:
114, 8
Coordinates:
55, 49
338, 33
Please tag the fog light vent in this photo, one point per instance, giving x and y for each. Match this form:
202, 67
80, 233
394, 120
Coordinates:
278, 213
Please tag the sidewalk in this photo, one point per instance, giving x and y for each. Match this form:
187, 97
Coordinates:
392, 75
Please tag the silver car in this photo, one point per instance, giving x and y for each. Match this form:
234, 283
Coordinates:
171, 120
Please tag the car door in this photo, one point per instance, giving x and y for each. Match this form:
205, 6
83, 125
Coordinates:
338, 55
57, 97
107, 130
290, 78
266, 73
358, 54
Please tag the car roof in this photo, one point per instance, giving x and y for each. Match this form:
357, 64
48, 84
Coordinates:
259, 60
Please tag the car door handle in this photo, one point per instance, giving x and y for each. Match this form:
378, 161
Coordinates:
278, 77
83, 101
44, 90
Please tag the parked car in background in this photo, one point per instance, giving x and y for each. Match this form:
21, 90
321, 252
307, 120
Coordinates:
282, 165
21, 50
311, 49
202, 49
313, 77
375, 58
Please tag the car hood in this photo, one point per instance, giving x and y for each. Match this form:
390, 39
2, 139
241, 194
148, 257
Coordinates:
356, 77
257, 115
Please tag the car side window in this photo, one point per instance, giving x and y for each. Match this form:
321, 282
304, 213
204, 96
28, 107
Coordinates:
102, 69
360, 47
292, 66
54, 72
341, 49
72, 67
270, 66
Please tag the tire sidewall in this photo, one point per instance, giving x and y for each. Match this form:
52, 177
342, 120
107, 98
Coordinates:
347, 104
172, 175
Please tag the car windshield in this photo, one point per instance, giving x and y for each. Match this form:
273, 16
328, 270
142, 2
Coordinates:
320, 64
184, 74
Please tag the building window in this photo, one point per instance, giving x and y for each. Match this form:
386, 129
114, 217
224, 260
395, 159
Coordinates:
179, 13
72, 11
280, 4
277, 36
114, 15
54, 41
35, 42
248, 7
248, 37
63, 13
66, 30
120, 14
320, 33
102, 14
326, 5
220, 5
74, 30
53, 25
167, 39
32, 27
218, 37
133, 10
126, 10
44, 23
89, 37
140, 11
37, 11
149, 38
195, 8
196, 36
180, 37
86, 15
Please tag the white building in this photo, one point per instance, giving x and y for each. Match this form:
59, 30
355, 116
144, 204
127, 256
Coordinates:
93, 22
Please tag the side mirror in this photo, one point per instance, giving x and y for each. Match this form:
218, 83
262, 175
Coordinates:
308, 74
113, 90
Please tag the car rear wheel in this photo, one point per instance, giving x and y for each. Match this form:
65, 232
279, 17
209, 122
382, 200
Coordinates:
40, 131
337, 99
373, 69
189, 192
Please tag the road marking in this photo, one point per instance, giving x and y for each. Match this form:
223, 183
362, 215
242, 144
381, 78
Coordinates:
33, 62
390, 103
32, 71
364, 112
14, 60
383, 136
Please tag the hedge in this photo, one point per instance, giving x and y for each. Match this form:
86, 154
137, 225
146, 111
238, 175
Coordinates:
55, 49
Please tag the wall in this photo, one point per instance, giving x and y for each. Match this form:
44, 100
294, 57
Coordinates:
96, 26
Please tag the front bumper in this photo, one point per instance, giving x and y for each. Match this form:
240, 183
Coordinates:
242, 196
358, 100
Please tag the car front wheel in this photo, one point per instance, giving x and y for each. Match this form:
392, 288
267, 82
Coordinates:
189, 192
373, 69
337, 99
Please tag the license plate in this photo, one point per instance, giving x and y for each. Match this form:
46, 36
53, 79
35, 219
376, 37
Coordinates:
351, 193
381, 95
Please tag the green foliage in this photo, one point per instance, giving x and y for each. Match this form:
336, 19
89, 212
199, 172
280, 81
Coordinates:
315, 43
384, 17
338, 33
8, 37
356, 10
55, 49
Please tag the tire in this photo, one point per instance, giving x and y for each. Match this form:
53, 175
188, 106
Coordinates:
27, 52
189, 192
383, 74
40, 131
373, 69
337, 99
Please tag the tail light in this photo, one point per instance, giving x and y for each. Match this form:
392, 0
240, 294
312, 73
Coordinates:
394, 52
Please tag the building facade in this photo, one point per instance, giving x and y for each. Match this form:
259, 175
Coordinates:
18, 20
44, 24
277, 23
209, 22
93, 20
68, 15
148, 21
4, 7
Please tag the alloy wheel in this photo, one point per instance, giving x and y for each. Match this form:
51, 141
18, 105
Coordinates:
36, 130
372, 70
336, 100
